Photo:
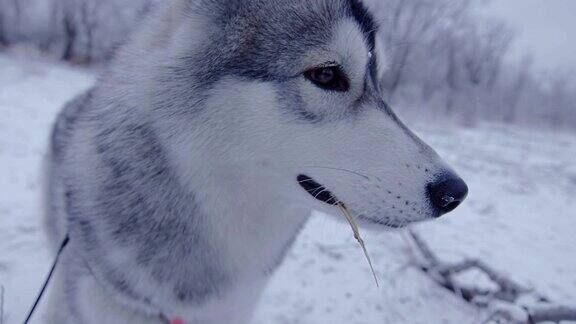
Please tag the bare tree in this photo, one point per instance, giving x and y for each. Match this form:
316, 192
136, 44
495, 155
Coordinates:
406, 26
89, 31
559, 98
3, 41
3, 24
484, 50
68, 32
518, 87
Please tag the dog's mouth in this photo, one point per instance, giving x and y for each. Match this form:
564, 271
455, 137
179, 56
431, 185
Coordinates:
317, 190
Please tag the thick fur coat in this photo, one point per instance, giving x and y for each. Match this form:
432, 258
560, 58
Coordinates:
178, 177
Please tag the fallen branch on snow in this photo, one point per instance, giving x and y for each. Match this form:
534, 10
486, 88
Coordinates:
551, 313
503, 300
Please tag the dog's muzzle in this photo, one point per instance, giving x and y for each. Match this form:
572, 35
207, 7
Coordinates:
444, 194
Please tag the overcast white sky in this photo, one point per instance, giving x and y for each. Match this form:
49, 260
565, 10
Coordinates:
547, 28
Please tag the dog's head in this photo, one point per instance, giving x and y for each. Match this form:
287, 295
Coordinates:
288, 95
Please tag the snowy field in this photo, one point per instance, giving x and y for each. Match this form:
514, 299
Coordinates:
520, 218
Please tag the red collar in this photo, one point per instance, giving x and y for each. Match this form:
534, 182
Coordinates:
176, 320
171, 320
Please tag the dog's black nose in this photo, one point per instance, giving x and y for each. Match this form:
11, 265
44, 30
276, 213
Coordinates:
447, 193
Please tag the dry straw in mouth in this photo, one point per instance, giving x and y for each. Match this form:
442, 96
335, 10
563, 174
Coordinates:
354, 227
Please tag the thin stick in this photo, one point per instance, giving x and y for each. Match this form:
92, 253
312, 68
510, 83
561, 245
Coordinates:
350, 220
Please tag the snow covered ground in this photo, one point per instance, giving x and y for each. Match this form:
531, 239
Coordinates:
520, 218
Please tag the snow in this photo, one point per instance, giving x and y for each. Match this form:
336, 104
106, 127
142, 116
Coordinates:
31, 93
519, 218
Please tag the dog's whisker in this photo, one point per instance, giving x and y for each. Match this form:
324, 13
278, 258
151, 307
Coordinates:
338, 169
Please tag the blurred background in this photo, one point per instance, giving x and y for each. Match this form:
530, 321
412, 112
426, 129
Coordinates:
490, 84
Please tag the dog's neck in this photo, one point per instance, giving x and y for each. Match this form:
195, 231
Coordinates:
237, 231
255, 224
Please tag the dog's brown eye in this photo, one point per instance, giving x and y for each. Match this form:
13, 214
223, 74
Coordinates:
328, 78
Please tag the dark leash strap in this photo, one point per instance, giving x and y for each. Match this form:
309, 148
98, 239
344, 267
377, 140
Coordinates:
163, 318
48, 278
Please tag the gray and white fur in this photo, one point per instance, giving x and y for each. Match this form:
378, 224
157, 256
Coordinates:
175, 177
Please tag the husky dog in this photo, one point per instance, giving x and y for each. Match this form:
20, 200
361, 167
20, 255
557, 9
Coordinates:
185, 174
